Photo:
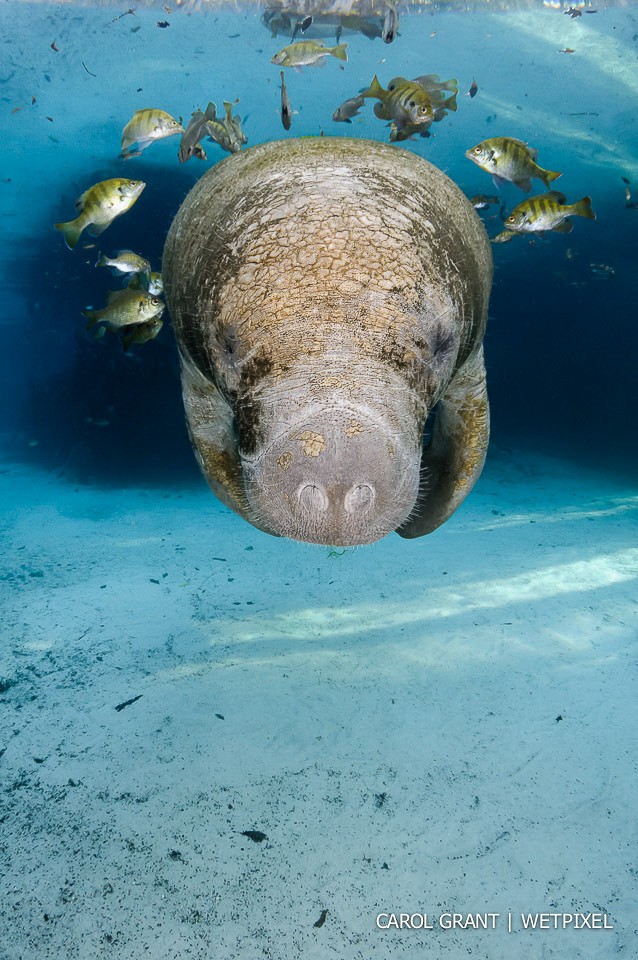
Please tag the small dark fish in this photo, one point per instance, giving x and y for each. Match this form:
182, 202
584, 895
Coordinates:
127, 13
301, 26
390, 24
286, 112
567, 50
625, 180
473, 89
481, 201
162, 24
33, 101
348, 109
322, 919
255, 835
190, 145
53, 47
573, 12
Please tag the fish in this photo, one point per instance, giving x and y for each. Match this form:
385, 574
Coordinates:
348, 109
125, 261
548, 211
99, 206
405, 101
602, 270
146, 126
125, 308
473, 89
304, 53
286, 111
300, 27
481, 202
508, 159
149, 282
141, 332
228, 132
189, 145
390, 23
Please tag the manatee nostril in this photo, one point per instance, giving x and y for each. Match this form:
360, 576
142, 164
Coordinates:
312, 498
359, 498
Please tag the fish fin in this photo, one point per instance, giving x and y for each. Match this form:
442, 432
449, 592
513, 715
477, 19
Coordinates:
211, 111
498, 181
95, 229
102, 260
99, 333
548, 175
381, 112
563, 227
375, 90
556, 195
127, 339
525, 184
454, 458
582, 208
71, 232
91, 317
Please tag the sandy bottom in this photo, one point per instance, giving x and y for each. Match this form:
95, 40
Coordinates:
447, 725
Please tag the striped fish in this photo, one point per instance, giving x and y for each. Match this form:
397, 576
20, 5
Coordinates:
144, 127
405, 101
99, 206
508, 159
548, 211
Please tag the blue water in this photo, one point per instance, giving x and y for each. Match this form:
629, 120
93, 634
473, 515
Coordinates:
436, 725
561, 340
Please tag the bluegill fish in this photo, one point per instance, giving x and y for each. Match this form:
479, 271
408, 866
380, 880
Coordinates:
350, 108
548, 211
144, 127
125, 261
405, 101
149, 282
99, 206
141, 332
306, 52
508, 159
125, 308
228, 132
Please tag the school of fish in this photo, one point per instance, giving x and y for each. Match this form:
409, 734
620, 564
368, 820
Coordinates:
409, 107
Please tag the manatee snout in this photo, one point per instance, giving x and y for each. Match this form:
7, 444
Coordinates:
333, 479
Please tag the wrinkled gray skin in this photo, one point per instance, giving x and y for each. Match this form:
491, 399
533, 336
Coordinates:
327, 294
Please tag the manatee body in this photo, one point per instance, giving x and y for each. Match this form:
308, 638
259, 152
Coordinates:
327, 294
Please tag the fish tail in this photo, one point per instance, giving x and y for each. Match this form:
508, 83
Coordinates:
102, 260
340, 51
582, 208
91, 317
71, 231
374, 90
548, 175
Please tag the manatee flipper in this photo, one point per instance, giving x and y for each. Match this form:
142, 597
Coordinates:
212, 429
453, 461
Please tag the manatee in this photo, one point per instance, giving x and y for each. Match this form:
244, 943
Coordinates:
329, 299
